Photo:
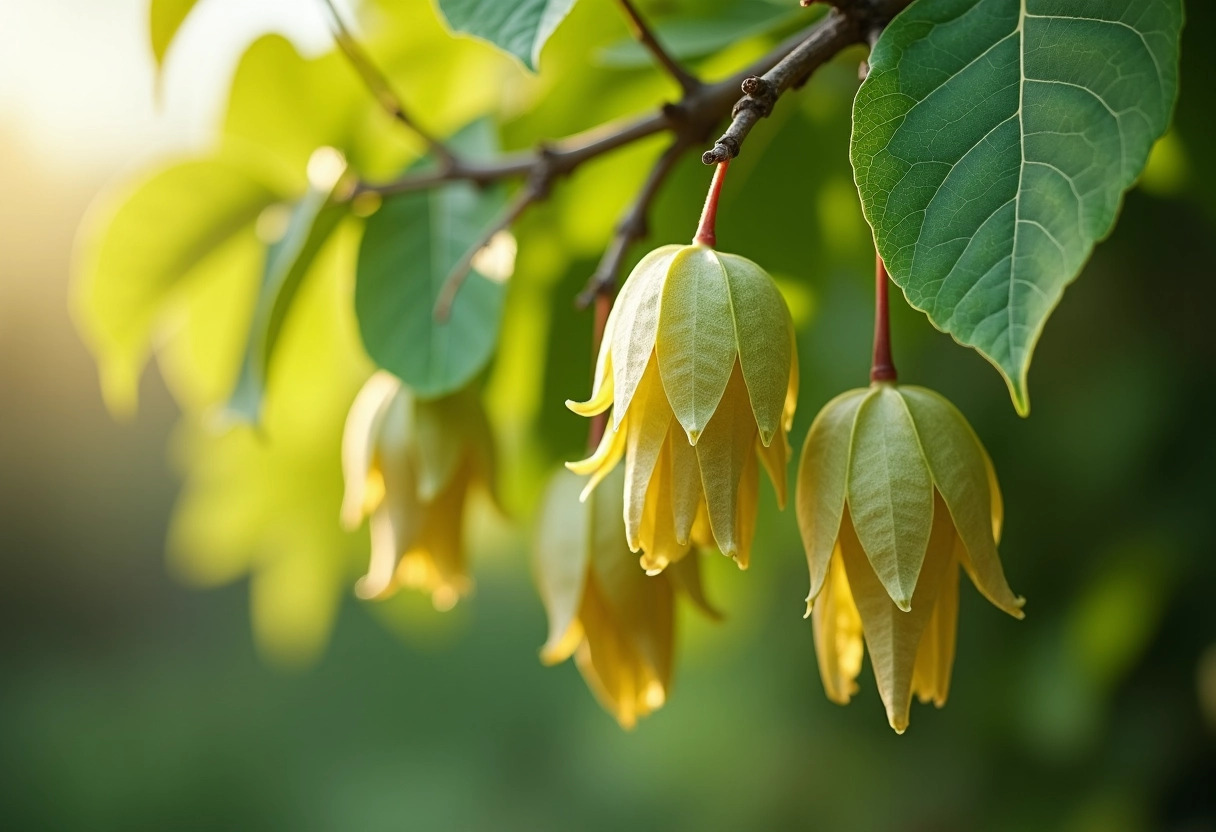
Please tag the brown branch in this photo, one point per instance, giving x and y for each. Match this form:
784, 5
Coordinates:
633, 226
379, 85
850, 22
645, 36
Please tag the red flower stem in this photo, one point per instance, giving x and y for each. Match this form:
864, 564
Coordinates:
603, 305
706, 234
883, 368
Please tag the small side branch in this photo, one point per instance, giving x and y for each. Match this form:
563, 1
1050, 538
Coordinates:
451, 285
379, 85
633, 226
688, 83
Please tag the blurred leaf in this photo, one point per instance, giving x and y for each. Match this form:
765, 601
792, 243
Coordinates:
266, 504
138, 249
519, 27
288, 260
685, 39
992, 147
410, 247
165, 18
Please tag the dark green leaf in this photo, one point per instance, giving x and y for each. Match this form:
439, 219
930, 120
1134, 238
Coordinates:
992, 144
410, 247
519, 27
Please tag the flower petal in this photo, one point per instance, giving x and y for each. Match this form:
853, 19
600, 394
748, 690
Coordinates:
893, 636
964, 476
763, 330
749, 496
696, 338
838, 638
723, 452
776, 462
687, 495
935, 656
561, 555
645, 430
657, 533
822, 482
359, 438
890, 492
634, 325
600, 463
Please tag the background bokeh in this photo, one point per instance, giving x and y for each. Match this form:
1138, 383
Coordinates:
131, 698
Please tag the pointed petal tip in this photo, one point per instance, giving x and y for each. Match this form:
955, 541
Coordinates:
904, 604
766, 437
693, 435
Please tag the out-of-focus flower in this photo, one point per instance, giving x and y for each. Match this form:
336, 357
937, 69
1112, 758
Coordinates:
895, 493
614, 619
409, 465
699, 367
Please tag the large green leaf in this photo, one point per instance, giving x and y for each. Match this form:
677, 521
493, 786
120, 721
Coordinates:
410, 247
992, 144
165, 18
312, 221
138, 248
519, 27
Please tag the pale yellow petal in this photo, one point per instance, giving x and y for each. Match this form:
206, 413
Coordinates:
838, 637
935, 656
600, 463
657, 535
359, 438
646, 429
561, 556
635, 324
723, 451
749, 497
601, 393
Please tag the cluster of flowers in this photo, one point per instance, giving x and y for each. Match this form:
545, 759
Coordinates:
698, 380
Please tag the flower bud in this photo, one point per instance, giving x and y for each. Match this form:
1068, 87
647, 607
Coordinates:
408, 465
895, 493
699, 367
615, 620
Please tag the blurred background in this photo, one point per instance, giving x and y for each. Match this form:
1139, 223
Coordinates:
235, 682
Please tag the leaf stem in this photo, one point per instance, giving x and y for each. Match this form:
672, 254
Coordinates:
707, 229
883, 366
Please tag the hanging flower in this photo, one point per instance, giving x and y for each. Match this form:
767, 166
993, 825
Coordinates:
409, 465
617, 622
699, 367
895, 494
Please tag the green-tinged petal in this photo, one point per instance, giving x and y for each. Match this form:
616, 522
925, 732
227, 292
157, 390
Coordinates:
605, 660
696, 338
724, 450
685, 576
749, 497
935, 656
791, 390
762, 330
687, 495
359, 437
441, 441
634, 324
645, 431
823, 475
890, 492
960, 471
436, 563
776, 460
560, 557
998, 504
838, 638
893, 636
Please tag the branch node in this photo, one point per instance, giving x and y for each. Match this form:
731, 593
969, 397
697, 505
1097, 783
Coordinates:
725, 149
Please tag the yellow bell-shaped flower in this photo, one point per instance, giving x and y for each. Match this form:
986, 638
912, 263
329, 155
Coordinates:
699, 367
616, 621
408, 465
895, 494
